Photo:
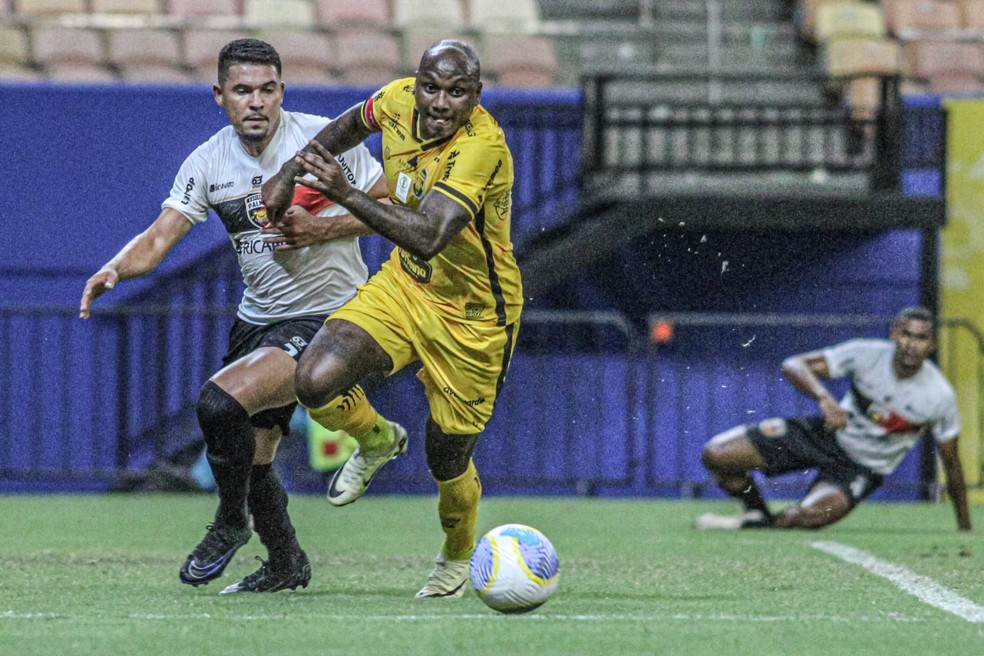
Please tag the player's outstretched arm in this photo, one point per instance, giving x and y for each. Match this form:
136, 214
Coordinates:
344, 133
805, 372
141, 255
423, 232
955, 485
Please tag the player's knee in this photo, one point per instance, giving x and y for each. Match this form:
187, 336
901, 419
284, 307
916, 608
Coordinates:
714, 456
448, 455
309, 384
216, 410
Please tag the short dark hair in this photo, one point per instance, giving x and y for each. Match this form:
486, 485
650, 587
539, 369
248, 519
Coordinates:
247, 51
914, 313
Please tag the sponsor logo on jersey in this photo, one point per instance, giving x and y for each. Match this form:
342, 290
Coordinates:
257, 180
188, 189
474, 310
469, 402
212, 188
449, 166
251, 243
417, 268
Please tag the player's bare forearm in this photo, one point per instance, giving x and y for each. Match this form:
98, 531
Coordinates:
412, 230
804, 372
956, 488
344, 133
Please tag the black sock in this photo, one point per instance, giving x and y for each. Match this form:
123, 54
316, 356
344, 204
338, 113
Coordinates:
230, 445
751, 497
268, 504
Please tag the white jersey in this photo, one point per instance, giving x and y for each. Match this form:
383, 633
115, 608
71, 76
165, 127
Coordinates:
220, 175
887, 413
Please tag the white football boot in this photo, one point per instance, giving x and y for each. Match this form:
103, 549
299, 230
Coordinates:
353, 479
747, 519
447, 580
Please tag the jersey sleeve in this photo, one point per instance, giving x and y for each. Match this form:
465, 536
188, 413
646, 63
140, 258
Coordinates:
363, 167
471, 167
847, 357
188, 192
374, 107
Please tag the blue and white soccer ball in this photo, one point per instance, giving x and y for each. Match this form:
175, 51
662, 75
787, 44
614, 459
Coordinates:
514, 568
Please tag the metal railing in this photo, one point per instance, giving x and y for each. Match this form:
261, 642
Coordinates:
632, 129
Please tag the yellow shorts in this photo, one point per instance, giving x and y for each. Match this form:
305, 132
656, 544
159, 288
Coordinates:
464, 362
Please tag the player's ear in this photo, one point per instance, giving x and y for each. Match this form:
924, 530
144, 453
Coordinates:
217, 94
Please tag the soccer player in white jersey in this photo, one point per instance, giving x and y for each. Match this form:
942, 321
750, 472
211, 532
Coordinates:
896, 396
296, 274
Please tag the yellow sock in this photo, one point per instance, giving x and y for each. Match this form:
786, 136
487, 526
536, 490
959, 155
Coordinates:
351, 412
457, 506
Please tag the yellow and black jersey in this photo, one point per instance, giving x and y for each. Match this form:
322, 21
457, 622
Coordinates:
475, 277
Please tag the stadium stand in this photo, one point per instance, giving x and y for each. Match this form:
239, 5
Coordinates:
336, 13
519, 61
447, 13
146, 55
366, 56
309, 56
138, 7
298, 13
907, 18
197, 9
504, 15
201, 46
71, 54
50, 7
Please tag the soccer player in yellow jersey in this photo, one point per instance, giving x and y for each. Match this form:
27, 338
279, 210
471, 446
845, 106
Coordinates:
450, 294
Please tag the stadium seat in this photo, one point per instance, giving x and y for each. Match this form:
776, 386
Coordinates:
260, 13
143, 46
853, 57
335, 13
307, 57
504, 15
155, 74
805, 16
910, 18
143, 7
367, 57
5, 7
432, 13
197, 8
17, 73
14, 47
849, 19
41, 7
929, 59
972, 15
67, 46
201, 50
520, 61
146, 55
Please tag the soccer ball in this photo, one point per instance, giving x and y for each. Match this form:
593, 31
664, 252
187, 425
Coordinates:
514, 568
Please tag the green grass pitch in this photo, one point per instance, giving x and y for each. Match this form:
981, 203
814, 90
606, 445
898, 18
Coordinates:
99, 575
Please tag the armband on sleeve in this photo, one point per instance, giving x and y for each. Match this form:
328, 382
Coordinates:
367, 116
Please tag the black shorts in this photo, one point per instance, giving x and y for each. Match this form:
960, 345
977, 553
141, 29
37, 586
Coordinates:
291, 336
800, 443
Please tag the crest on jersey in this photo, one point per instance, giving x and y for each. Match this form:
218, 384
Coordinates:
255, 210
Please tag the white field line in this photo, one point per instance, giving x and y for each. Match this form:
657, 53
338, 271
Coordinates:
544, 617
922, 587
